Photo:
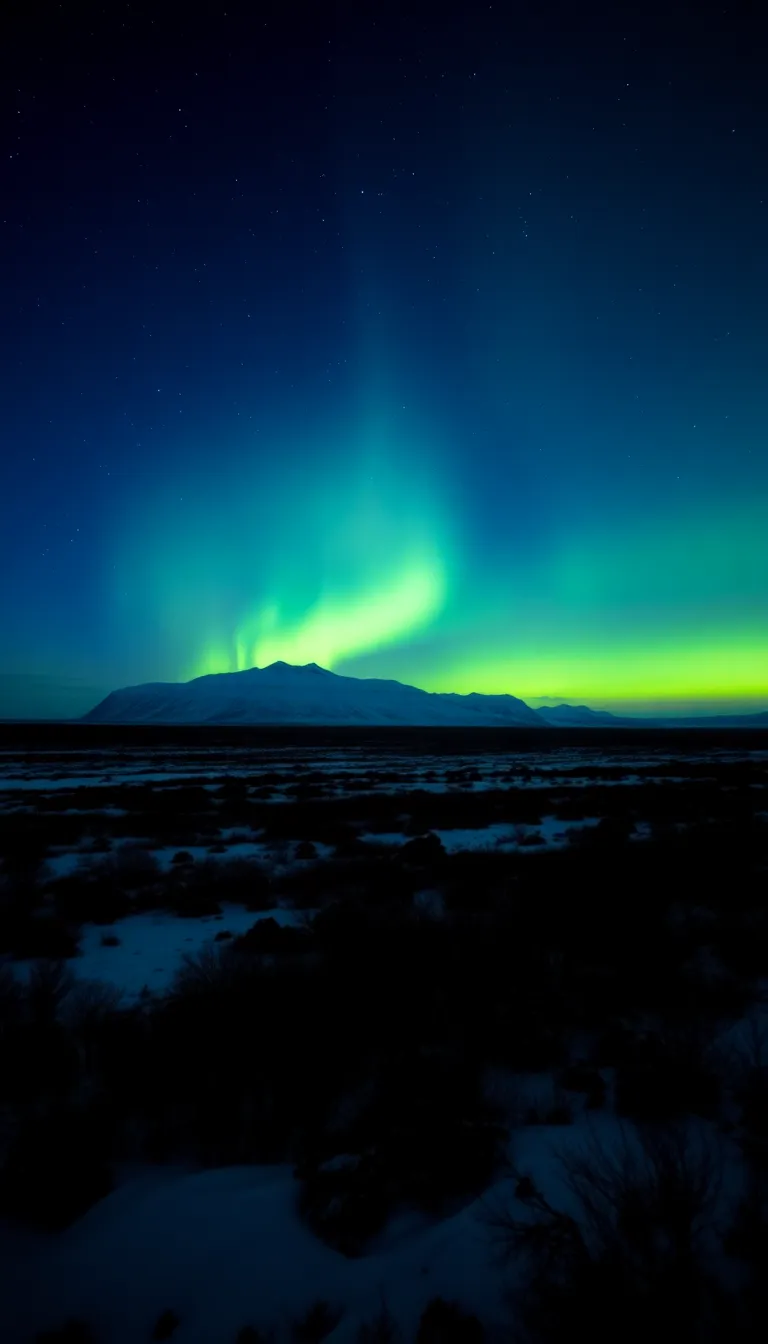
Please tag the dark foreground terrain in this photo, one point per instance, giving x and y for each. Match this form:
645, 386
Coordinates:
383, 1034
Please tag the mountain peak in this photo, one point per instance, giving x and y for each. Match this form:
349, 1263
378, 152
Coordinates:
281, 666
287, 693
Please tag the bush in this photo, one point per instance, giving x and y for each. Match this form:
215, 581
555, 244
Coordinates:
189, 898
667, 1180
447, 1323
55, 1168
49, 986
268, 937
660, 1078
753, 1097
582, 1077
166, 1324
346, 1206
134, 867
28, 936
246, 882
341, 924
424, 851
11, 998
382, 1329
319, 1321
438, 1147
211, 969
609, 833
747, 1236
558, 1110
198, 888
306, 850
89, 1010
438, 1159
71, 1332
633, 1254
92, 894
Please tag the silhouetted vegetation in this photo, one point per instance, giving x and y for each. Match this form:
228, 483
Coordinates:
71, 1332
357, 1045
319, 1321
55, 1167
447, 1323
166, 1324
381, 1329
636, 1252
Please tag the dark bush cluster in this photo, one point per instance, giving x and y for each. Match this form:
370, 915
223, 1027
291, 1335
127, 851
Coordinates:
56, 1166
448, 1323
356, 1046
638, 1251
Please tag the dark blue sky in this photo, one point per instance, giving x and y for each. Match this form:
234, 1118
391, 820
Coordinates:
420, 344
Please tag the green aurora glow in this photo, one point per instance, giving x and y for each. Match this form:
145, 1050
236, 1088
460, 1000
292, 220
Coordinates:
434, 352
361, 563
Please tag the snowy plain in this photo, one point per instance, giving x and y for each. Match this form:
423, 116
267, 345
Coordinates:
225, 1248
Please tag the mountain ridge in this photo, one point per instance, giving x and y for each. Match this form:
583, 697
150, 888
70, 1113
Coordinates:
288, 693
309, 694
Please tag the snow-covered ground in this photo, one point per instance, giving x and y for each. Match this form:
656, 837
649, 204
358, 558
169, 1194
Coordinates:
226, 1248
152, 947
530, 769
551, 833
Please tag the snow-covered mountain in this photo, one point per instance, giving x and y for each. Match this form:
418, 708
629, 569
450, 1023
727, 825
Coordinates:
580, 716
283, 693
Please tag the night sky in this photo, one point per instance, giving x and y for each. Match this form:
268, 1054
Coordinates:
420, 343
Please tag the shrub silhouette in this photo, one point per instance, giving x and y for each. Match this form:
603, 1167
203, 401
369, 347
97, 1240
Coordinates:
27, 936
424, 851
381, 1329
210, 970
166, 1324
447, 1323
583, 1077
441, 1144
71, 1332
248, 1334
663, 1076
266, 936
319, 1321
55, 1168
11, 999
203, 885
49, 986
133, 867
306, 850
634, 1254
93, 893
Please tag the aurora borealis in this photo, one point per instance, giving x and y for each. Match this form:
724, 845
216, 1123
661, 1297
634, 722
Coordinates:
434, 352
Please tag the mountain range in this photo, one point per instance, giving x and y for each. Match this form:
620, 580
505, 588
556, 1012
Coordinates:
286, 694
283, 693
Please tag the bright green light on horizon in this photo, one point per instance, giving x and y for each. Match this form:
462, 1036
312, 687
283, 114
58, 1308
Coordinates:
351, 558
705, 673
